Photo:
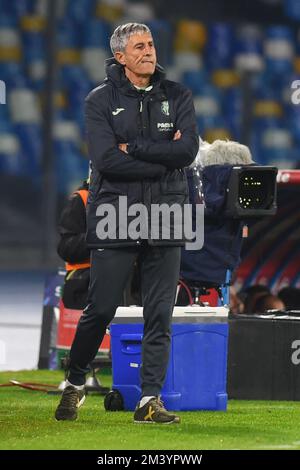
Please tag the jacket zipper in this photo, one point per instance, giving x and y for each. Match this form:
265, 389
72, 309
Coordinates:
141, 124
145, 195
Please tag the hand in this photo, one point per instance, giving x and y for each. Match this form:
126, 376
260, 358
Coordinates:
177, 135
123, 147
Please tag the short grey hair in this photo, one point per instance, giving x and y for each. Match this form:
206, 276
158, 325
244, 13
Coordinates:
122, 33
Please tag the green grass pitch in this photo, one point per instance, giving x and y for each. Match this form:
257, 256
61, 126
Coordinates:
27, 422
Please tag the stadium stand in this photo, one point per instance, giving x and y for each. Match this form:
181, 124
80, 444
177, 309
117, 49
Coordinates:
239, 72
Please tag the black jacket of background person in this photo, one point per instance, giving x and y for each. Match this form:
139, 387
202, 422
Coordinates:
152, 171
73, 249
72, 246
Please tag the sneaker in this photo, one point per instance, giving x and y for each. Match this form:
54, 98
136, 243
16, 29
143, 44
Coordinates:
154, 412
71, 400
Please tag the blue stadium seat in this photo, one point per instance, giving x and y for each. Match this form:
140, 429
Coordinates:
186, 61
24, 7
96, 33
71, 167
33, 40
11, 161
206, 124
77, 86
67, 34
71, 73
232, 106
208, 107
220, 46
279, 50
267, 86
195, 80
9, 70
17, 8
5, 124
95, 48
262, 127
162, 35
293, 121
248, 49
30, 137
33, 46
292, 9
80, 10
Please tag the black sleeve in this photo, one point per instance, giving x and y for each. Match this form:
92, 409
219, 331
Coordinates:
172, 154
104, 151
72, 246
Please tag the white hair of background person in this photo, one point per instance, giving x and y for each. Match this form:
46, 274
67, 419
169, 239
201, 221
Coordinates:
222, 152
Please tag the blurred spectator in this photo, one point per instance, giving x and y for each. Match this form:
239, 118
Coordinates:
236, 303
268, 302
252, 294
72, 248
291, 297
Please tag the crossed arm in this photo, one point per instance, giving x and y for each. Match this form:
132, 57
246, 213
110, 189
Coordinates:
177, 153
124, 147
104, 152
142, 158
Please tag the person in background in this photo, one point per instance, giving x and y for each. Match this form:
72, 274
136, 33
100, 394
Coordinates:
236, 303
251, 296
290, 296
73, 249
268, 302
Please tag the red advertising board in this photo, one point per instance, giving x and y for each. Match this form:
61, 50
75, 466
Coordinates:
67, 324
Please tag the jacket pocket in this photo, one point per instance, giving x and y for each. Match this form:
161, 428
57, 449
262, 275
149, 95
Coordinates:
113, 187
174, 183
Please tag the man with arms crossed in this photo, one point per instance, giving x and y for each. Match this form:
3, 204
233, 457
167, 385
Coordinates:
141, 133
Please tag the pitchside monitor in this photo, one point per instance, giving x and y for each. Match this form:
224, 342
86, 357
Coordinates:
252, 191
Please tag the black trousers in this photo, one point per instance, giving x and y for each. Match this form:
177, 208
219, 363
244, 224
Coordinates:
110, 269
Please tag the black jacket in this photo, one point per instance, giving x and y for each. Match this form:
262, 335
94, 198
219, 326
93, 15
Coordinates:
152, 171
72, 246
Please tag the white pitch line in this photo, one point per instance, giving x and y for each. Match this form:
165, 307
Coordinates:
293, 445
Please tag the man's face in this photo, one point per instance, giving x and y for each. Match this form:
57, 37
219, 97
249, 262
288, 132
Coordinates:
139, 56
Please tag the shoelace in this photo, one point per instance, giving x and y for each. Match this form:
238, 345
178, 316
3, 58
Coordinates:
69, 398
158, 405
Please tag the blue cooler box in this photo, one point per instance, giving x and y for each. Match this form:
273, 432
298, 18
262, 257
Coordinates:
196, 376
